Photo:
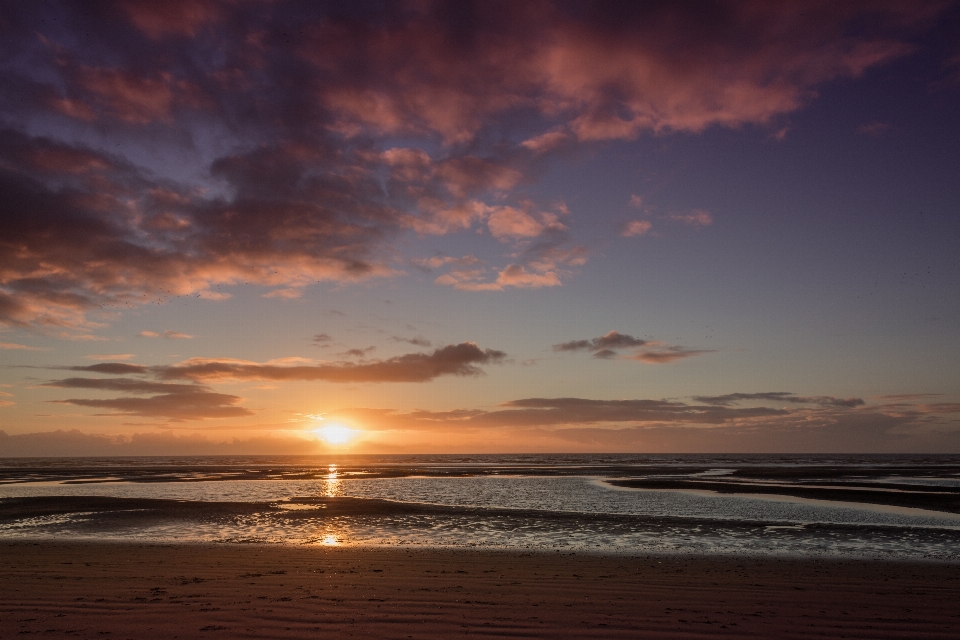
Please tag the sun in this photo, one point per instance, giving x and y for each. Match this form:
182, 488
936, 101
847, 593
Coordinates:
336, 434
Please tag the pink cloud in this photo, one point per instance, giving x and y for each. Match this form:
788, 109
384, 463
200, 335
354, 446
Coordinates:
285, 294
636, 228
169, 334
161, 18
319, 188
131, 98
21, 347
509, 222
668, 354
546, 142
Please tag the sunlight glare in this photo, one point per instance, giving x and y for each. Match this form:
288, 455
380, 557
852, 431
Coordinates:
336, 434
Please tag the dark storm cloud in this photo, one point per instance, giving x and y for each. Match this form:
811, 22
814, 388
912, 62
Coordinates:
309, 101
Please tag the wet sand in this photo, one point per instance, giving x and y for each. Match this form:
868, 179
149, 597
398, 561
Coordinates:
895, 495
105, 590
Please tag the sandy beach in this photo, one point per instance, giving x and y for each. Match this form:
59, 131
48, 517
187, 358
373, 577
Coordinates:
105, 590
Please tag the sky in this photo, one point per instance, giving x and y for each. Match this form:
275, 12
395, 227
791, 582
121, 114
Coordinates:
473, 227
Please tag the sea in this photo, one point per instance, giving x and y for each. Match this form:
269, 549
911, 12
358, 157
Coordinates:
841, 506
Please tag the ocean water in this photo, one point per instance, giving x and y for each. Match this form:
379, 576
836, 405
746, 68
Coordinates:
837, 506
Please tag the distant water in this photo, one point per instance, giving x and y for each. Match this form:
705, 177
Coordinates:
849, 506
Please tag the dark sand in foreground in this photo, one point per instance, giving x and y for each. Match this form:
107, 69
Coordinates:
117, 591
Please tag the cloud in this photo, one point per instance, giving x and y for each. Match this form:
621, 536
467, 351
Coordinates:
126, 385
113, 368
171, 17
74, 443
358, 353
543, 262
109, 356
508, 222
635, 228
21, 347
909, 397
456, 359
418, 341
196, 401
807, 424
175, 401
176, 406
696, 218
429, 264
610, 340
779, 396
306, 183
668, 354
608, 347
168, 334
285, 294
321, 338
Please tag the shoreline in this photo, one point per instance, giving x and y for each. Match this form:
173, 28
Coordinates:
366, 522
93, 588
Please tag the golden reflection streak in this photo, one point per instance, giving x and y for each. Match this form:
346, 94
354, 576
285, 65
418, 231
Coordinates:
332, 489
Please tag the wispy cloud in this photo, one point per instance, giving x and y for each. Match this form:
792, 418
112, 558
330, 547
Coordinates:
288, 293
462, 359
695, 218
667, 354
112, 368
611, 345
21, 347
169, 334
109, 356
778, 396
176, 402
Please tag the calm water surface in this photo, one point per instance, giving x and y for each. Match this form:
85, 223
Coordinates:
536, 502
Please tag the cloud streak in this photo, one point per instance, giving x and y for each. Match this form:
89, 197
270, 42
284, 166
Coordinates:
195, 400
169, 334
708, 423
609, 346
462, 359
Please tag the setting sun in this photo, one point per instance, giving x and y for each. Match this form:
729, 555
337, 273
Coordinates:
336, 434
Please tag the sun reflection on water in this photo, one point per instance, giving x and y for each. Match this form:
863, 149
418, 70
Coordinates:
332, 483
330, 541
